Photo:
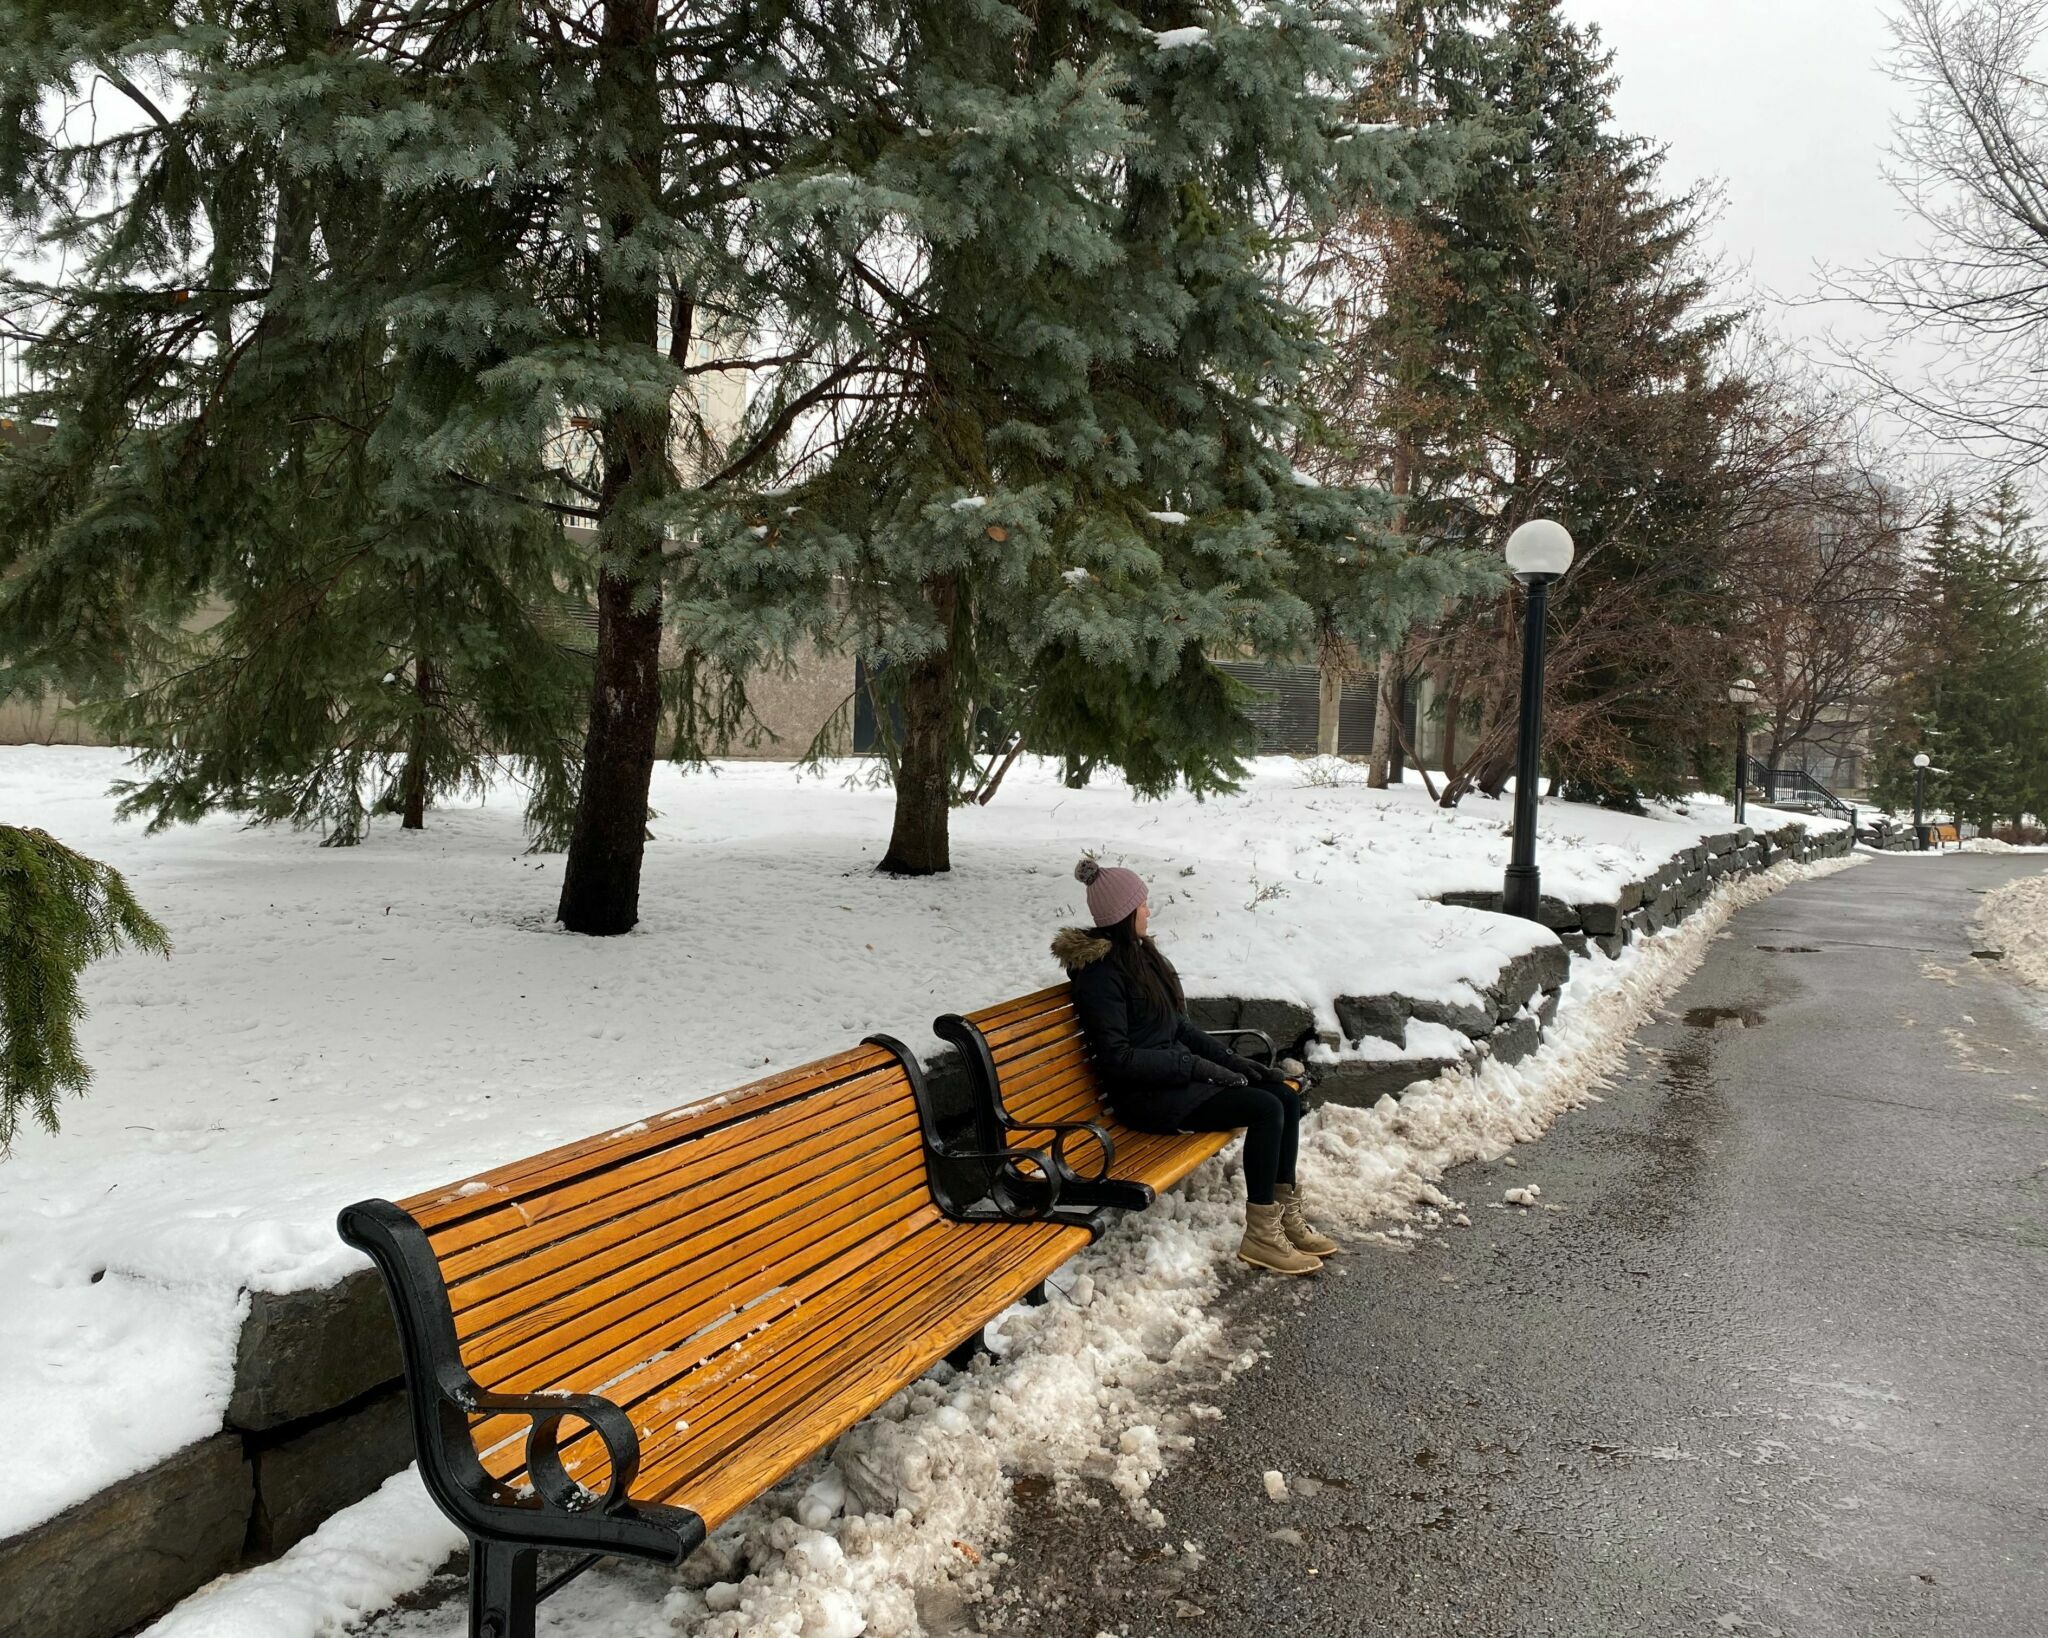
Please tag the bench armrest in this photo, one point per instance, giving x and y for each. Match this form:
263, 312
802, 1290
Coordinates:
1062, 1131
546, 1411
1049, 1169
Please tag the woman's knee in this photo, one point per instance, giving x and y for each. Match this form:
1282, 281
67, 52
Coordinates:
1274, 1111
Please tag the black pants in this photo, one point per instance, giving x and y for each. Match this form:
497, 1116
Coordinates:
1271, 1118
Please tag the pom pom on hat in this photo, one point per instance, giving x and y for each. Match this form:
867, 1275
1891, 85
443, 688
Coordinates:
1086, 871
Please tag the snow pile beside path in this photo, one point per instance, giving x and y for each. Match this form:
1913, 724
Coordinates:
2014, 918
343, 1023
1991, 844
1103, 1382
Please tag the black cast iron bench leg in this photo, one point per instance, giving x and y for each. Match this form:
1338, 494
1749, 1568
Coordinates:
503, 1589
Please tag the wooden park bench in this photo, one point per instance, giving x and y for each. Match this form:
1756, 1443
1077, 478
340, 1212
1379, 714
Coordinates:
614, 1346
1033, 1077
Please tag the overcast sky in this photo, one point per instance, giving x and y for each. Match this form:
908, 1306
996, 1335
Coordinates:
1786, 104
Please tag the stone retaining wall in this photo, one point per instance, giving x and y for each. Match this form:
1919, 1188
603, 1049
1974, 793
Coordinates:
317, 1419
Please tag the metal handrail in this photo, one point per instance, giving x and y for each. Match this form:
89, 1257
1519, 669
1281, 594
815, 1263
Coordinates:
1778, 782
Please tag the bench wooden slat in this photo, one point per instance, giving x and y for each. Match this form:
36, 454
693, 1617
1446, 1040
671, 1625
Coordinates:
566, 1242
679, 1283
521, 1220
1004, 1011
437, 1208
655, 1370
734, 1467
670, 1313
1020, 1034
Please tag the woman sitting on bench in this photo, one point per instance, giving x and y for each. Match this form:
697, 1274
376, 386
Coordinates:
1165, 1075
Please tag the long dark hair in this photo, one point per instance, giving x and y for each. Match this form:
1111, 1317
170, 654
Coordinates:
1146, 968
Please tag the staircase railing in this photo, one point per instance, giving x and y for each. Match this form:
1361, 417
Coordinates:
1782, 787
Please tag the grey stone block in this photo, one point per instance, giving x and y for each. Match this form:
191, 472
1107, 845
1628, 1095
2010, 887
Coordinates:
1726, 841
1471, 1018
1546, 1009
1213, 1011
1629, 898
1473, 898
1382, 1017
1574, 941
1600, 918
1543, 968
303, 1479
308, 1352
128, 1553
1361, 1085
1516, 1039
1555, 913
1612, 943
1284, 1022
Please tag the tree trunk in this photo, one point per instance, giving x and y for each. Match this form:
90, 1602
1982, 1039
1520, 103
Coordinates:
1329, 704
1397, 767
1379, 764
1386, 682
601, 883
413, 783
919, 845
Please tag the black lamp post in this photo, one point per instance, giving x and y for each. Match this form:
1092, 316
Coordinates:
1742, 695
1538, 552
1919, 802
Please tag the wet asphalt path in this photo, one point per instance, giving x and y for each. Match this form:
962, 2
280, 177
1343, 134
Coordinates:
1775, 1362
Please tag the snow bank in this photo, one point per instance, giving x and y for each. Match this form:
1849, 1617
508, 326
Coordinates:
339, 1023
1104, 1382
357, 1563
2014, 918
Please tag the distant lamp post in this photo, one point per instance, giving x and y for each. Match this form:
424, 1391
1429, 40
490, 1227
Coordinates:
1919, 801
1742, 695
1538, 552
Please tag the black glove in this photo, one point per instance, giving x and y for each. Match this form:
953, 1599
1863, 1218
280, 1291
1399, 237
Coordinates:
1273, 1075
1201, 1069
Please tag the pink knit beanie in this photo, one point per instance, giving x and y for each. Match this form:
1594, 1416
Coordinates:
1112, 894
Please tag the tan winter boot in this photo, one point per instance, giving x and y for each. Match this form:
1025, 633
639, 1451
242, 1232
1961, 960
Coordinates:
1295, 1225
1265, 1244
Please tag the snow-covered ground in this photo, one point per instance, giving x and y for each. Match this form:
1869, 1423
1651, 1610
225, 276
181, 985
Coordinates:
907, 1516
343, 1023
2014, 918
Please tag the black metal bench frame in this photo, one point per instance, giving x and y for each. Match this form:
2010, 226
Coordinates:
508, 1528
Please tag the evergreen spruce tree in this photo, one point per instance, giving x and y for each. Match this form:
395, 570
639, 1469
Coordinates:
364, 309
1974, 693
219, 546
1064, 484
1590, 384
59, 913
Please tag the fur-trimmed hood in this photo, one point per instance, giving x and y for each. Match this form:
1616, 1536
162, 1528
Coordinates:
1078, 947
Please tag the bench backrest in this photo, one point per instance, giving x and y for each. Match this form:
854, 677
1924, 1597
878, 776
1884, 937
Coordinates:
1043, 1071
638, 1255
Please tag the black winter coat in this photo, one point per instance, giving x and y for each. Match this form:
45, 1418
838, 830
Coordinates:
1145, 1052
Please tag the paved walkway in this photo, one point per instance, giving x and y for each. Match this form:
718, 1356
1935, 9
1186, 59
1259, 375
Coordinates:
1775, 1362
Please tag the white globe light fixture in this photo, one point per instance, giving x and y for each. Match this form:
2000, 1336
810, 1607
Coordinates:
1743, 692
1539, 547
1537, 553
1922, 760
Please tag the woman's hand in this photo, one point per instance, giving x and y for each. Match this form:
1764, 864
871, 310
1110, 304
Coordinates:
1217, 1074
